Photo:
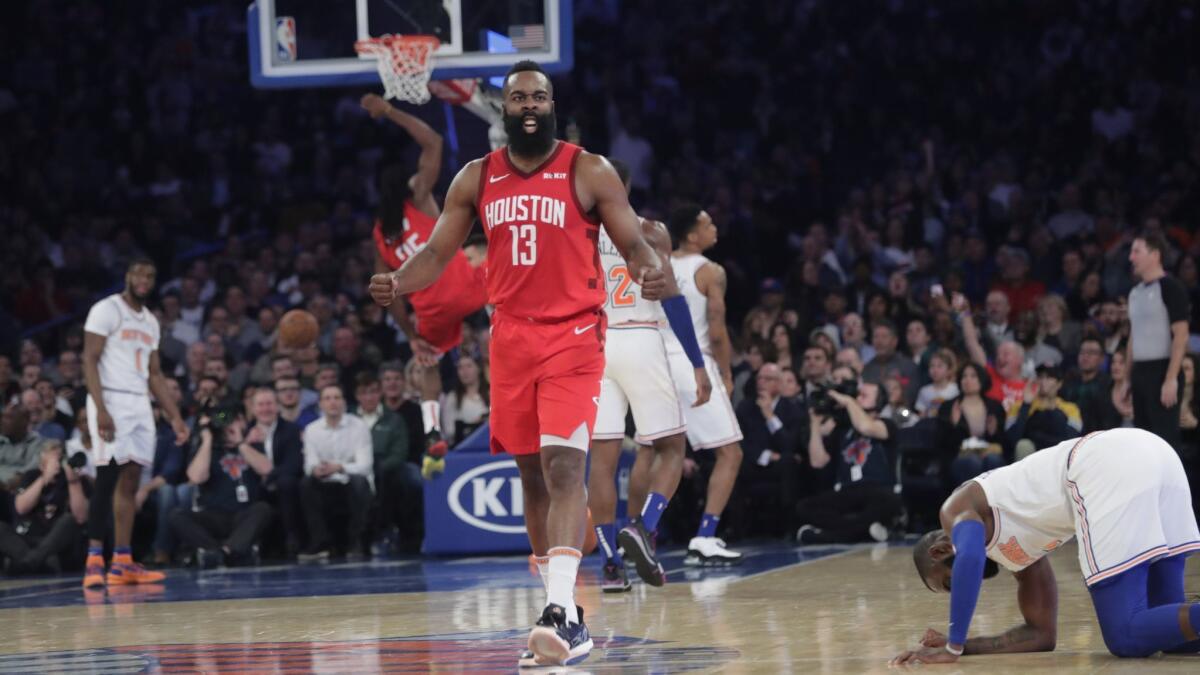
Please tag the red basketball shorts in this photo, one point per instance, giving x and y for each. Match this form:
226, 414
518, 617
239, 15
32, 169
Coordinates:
545, 379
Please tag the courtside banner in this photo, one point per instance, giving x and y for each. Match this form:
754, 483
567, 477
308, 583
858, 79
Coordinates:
477, 505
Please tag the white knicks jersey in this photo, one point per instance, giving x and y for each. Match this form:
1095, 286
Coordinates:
625, 304
1031, 507
130, 337
685, 276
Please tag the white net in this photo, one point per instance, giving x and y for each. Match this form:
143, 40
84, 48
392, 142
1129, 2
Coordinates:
403, 62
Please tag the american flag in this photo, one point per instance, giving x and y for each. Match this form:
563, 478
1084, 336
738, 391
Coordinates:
532, 36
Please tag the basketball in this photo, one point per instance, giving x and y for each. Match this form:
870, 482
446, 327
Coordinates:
298, 329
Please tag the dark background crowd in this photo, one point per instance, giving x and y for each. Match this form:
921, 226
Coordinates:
867, 166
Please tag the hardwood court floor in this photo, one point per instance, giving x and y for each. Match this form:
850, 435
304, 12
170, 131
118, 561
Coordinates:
787, 610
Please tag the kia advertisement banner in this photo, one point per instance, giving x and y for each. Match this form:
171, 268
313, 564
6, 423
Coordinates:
476, 505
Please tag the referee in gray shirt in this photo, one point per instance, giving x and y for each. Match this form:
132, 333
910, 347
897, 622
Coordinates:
1158, 318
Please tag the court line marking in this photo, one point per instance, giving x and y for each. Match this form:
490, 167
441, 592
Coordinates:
736, 578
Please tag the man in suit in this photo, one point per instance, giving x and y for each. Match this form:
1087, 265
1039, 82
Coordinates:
397, 481
280, 441
771, 425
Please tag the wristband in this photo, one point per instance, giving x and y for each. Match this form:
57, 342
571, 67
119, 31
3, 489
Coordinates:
956, 652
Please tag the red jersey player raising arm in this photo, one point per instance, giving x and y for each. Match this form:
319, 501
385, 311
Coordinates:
407, 214
541, 202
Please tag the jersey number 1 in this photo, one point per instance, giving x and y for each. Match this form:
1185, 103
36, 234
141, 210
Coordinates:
524, 244
137, 360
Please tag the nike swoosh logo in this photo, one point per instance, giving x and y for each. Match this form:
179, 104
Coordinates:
497, 179
579, 330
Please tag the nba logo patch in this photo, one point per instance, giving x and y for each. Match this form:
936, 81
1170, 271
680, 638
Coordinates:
285, 39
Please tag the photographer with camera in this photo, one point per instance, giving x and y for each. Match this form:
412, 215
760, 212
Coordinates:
229, 473
863, 502
51, 506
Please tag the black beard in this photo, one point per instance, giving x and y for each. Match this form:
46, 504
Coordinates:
532, 145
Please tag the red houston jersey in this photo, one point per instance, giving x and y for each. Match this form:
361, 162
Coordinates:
458, 292
543, 261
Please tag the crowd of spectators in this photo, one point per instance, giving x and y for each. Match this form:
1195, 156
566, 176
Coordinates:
927, 206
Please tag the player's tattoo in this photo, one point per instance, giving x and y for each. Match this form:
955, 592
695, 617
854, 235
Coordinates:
1023, 638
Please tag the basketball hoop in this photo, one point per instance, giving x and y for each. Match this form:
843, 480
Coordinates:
403, 62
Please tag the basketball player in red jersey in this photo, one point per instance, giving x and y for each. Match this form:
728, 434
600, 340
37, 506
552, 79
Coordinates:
541, 202
407, 214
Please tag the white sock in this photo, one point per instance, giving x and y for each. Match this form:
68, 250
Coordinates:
563, 566
431, 413
543, 565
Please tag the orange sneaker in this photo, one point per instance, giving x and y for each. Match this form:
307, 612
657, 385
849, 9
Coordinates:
128, 572
93, 575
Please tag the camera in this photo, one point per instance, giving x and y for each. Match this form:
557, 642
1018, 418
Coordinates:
823, 404
76, 461
218, 421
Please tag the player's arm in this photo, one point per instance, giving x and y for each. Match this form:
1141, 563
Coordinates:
600, 180
452, 228
163, 395
960, 517
429, 164
711, 281
399, 310
1037, 596
93, 347
675, 306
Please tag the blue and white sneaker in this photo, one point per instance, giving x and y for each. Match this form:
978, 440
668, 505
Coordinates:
556, 642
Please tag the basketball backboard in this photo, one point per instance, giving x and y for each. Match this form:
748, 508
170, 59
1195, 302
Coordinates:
310, 43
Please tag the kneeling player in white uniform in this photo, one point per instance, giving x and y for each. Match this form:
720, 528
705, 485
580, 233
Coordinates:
637, 376
121, 368
1124, 495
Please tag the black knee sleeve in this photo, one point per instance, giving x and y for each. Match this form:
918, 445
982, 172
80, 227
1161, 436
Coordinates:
100, 507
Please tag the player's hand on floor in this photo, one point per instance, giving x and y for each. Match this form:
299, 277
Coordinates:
703, 387
932, 638
924, 656
382, 289
654, 284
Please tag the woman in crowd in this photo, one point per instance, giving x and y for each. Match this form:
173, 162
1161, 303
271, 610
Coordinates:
781, 340
972, 427
1115, 409
467, 406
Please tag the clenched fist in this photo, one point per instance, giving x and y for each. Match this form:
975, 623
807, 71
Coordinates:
382, 288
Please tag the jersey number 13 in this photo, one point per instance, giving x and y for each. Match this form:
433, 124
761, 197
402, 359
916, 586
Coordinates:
524, 244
